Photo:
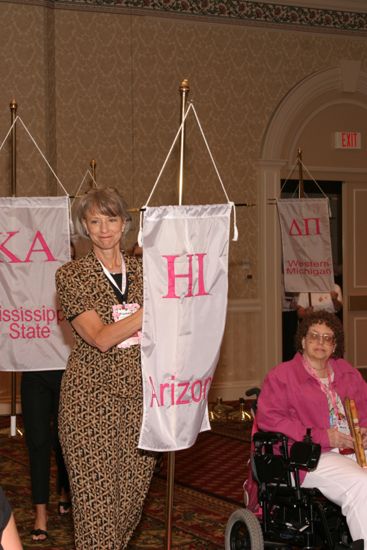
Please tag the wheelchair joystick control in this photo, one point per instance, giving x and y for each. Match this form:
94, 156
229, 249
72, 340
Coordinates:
305, 454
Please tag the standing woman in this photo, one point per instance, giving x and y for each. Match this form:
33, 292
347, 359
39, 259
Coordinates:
101, 397
40, 394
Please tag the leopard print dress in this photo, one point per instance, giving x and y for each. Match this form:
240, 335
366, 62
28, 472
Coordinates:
100, 414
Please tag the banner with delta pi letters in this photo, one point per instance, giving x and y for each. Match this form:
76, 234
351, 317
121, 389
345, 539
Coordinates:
185, 264
307, 253
34, 242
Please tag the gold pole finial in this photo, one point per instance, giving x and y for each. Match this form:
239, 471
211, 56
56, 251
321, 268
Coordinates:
184, 86
184, 91
93, 165
13, 105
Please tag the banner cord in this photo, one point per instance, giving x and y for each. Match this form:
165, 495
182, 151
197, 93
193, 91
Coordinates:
313, 179
191, 106
81, 185
168, 155
37, 147
235, 230
210, 153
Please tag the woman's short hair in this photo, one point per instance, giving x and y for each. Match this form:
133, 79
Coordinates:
106, 201
318, 318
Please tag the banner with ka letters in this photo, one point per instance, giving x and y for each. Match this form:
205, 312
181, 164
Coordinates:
185, 264
34, 242
307, 254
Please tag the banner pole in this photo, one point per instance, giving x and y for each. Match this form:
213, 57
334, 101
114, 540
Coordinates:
301, 187
13, 184
93, 165
184, 90
301, 195
169, 497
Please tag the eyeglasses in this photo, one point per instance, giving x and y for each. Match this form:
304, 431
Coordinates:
314, 336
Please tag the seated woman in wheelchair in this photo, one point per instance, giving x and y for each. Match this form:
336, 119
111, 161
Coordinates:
309, 392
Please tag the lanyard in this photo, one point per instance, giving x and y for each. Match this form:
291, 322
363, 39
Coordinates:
327, 389
122, 290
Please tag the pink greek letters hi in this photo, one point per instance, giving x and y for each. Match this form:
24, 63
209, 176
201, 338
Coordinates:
38, 238
172, 276
176, 392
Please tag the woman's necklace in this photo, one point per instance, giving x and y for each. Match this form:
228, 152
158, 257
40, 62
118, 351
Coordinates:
326, 387
113, 266
106, 271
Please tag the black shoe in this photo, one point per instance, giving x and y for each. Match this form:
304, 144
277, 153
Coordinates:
37, 533
64, 507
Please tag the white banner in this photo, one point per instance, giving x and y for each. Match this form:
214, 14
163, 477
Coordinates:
34, 242
307, 255
185, 301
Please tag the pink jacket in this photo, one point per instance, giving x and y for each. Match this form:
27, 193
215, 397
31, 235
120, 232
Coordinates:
291, 400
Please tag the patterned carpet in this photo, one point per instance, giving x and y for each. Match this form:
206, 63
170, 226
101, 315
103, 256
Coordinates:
215, 465
208, 484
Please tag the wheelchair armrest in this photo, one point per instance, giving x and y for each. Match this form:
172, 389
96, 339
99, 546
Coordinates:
253, 391
271, 461
304, 455
250, 393
269, 438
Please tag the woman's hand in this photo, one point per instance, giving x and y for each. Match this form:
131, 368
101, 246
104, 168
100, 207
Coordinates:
303, 311
339, 440
334, 297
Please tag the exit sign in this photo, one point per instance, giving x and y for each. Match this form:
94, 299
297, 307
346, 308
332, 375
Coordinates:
347, 140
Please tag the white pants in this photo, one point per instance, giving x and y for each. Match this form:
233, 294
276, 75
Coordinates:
341, 480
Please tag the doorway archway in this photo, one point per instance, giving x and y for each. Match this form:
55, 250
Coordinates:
306, 117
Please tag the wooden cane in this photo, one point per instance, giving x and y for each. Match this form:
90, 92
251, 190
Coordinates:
355, 430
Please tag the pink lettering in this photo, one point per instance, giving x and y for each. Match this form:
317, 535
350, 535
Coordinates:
172, 276
180, 400
201, 289
28, 332
295, 229
44, 248
312, 221
187, 393
172, 390
38, 237
194, 397
154, 393
162, 387
10, 255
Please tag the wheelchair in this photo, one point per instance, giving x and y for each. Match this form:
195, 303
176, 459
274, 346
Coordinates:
278, 512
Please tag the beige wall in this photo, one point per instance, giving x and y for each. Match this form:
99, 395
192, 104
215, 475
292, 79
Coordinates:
103, 84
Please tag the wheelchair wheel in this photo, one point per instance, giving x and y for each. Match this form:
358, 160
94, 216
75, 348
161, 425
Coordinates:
243, 531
